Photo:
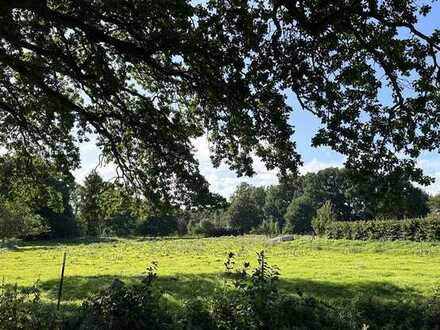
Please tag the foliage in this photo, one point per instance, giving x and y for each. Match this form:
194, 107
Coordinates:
126, 307
368, 310
246, 210
434, 204
119, 200
120, 225
299, 215
22, 309
210, 229
90, 212
16, 225
269, 227
204, 221
108, 207
388, 197
278, 198
36, 195
324, 216
146, 80
158, 226
425, 229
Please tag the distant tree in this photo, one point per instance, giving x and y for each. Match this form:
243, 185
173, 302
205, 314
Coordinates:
434, 204
162, 225
278, 198
8, 225
324, 216
33, 190
16, 225
299, 215
395, 197
122, 209
61, 221
90, 211
356, 198
246, 210
331, 184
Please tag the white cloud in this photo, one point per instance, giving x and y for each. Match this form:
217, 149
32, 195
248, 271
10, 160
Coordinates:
90, 161
222, 180
431, 167
316, 165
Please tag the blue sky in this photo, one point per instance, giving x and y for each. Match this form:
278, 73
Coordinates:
224, 181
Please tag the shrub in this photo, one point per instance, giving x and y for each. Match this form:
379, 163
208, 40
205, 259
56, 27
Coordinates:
22, 309
14, 224
209, 229
408, 229
374, 313
269, 227
126, 307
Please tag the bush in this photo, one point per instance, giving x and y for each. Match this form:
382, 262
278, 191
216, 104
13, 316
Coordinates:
425, 229
254, 302
209, 229
16, 225
22, 309
376, 314
269, 227
126, 307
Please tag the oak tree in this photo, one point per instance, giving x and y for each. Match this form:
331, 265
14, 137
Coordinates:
147, 77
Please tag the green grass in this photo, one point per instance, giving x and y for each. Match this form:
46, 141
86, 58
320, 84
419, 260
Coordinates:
331, 270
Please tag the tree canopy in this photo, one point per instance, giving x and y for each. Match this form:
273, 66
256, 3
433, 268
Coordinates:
39, 202
148, 76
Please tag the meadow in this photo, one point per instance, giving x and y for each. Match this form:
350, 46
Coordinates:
333, 270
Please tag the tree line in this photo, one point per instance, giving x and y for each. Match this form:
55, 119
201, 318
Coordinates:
47, 204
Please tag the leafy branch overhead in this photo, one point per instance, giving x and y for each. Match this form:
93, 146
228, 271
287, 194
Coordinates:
147, 77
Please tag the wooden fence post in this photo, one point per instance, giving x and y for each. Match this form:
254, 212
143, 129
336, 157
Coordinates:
60, 291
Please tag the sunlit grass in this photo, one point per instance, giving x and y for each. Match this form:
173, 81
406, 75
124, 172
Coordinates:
332, 270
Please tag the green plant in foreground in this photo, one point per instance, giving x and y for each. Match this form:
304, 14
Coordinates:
21, 308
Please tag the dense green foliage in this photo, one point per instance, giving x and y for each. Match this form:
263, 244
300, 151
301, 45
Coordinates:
299, 214
323, 218
35, 199
409, 229
246, 209
104, 208
291, 205
145, 79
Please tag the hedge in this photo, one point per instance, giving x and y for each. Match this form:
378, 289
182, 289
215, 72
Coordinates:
424, 229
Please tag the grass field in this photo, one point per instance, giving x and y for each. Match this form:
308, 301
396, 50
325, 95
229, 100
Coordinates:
331, 270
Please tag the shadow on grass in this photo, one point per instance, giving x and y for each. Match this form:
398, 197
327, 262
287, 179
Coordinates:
182, 287
18, 245
22, 245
